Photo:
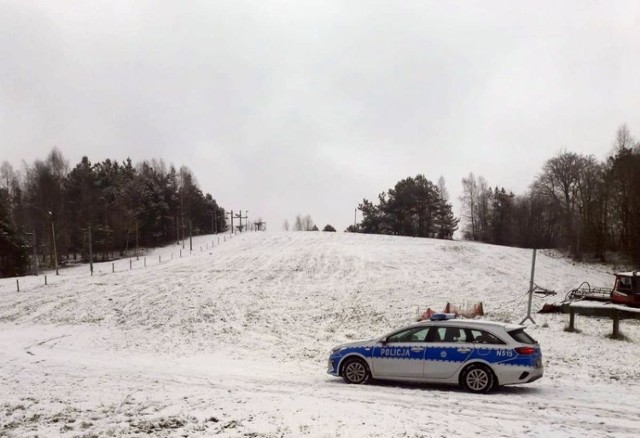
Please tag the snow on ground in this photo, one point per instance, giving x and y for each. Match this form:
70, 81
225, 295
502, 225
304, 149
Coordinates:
234, 339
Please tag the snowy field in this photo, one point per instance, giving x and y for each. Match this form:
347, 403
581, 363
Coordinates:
234, 341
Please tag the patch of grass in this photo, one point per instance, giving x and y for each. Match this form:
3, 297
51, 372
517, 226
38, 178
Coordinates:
66, 428
11, 425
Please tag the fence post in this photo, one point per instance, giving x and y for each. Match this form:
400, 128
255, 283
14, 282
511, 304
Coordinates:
45, 280
130, 264
616, 324
180, 253
145, 262
159, 259
171, 255
113, 267
572, 320
18, 284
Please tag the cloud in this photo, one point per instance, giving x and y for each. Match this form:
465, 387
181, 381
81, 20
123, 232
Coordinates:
308, 107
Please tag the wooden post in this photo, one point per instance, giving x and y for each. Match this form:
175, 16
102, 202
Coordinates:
572, 320
45, 280
145, 262
616, 324
180, 253
159, 259
130, 264
18, 284
113, 267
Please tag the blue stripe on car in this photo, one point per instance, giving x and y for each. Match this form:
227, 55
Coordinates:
502, 356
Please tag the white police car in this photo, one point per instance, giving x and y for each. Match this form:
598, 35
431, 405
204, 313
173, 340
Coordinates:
478, 355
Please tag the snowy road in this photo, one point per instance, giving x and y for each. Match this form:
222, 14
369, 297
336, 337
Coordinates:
234, 342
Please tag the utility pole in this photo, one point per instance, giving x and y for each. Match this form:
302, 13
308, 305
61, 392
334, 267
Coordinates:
231, 214
531, 285
177, 231
55, 250
91, 249
190, 237
239, 216
35, 253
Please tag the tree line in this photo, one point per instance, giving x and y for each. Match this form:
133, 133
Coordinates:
117, 205
413, 207
589, 207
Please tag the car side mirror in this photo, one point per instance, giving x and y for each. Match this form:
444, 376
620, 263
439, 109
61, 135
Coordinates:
383, 341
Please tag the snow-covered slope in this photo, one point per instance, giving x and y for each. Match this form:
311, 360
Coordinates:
233, 339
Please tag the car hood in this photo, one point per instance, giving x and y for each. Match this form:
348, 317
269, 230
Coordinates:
365, 343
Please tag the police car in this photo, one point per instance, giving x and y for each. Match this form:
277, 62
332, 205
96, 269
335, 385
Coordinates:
475, 354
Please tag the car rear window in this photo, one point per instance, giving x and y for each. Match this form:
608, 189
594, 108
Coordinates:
521, 336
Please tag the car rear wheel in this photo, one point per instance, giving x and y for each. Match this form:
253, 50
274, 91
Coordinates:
477, 378
355, 371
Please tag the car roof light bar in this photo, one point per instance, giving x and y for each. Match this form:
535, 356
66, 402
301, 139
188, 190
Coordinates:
442, 316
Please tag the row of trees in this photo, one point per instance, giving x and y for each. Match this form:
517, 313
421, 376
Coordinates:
577, 202
414, 207
305, 223
118, 205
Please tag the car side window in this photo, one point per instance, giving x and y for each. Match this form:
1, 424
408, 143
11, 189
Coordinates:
415, 334
448, 334
455, 334
483, 337
624, 283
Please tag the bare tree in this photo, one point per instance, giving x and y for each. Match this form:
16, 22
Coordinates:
560, 182
469, 200
303, 223
444, 193
285, 226
308, 223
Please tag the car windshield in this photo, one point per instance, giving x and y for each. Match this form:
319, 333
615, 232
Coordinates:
521, 336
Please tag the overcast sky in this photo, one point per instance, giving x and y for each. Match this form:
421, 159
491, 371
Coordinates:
304, 107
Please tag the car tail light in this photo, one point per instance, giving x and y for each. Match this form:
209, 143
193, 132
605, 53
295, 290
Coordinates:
525, 350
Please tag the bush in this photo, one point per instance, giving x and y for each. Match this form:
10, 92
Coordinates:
329, 228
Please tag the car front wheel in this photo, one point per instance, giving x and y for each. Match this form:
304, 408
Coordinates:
355, 371
477, 378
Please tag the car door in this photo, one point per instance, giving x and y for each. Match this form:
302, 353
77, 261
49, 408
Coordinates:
401, 355
447, 349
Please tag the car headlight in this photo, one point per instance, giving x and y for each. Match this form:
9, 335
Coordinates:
335, 350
